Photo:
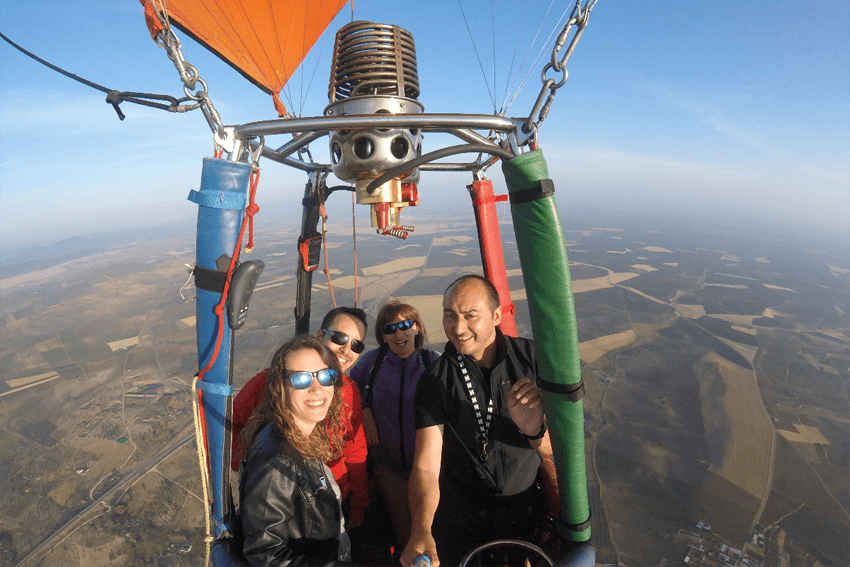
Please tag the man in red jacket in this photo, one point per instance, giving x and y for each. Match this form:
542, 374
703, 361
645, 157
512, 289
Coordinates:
343, 330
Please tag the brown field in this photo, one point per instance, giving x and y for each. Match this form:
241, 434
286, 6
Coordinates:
691, 311
746, 351
777, 287
748, 433
592, 350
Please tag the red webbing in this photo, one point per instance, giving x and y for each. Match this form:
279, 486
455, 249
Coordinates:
152, 19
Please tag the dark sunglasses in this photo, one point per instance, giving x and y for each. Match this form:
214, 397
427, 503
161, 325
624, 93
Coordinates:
341, 339
390, 328
303, 380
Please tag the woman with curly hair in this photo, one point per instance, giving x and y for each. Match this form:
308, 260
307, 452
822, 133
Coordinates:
289, 500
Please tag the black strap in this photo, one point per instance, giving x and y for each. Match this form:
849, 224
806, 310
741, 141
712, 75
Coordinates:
544, 188
574, 391
425, 358
382, 354
209, 280
565, 528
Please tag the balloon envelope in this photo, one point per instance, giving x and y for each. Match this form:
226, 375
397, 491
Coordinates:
265, 40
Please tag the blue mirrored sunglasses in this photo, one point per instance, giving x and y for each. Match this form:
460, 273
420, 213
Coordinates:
390, 328
303, 380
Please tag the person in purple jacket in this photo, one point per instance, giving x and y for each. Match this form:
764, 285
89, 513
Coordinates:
387, 377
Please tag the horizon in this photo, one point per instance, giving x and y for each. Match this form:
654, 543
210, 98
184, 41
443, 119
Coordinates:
665, 112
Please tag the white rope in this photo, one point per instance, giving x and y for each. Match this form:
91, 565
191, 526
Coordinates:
202, 463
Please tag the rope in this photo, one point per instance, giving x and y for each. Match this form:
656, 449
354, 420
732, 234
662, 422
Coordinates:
252, 208
324, 215
200, 444
354, 239
113, 96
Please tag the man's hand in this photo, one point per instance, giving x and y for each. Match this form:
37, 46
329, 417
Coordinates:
420, 543
370, 428
525, 406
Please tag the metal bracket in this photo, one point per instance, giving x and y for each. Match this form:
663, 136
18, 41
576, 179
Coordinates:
518, 137
225, 138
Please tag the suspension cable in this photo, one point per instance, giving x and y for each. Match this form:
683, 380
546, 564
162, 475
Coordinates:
354, 241
513, 59
579, 19
539, 57
486, 82
113, 96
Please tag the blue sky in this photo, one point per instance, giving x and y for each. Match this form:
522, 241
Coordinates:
734, 110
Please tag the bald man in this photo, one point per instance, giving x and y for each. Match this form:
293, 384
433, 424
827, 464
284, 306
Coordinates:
480, 431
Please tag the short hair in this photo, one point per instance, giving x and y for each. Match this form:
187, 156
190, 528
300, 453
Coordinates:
353, 312
492, 293
395, 309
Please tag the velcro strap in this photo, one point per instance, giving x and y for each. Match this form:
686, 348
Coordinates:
222, 526
574, 391
209, 280
213, 388
219, 199
565, 529
488, 200
544, 188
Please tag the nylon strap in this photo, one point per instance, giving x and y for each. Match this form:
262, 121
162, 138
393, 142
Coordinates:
490, 199
574, 391
213, 388
563, 526
222, 526
209, 280
219, 199
544, 188
379, 360
483, 426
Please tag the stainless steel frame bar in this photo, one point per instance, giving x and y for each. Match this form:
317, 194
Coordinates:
447, 122
459, 125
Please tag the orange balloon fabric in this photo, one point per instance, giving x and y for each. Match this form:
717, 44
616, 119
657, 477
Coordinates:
265, 40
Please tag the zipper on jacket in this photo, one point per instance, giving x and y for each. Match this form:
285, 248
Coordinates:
401, 415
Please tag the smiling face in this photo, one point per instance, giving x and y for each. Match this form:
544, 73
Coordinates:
355, 331
310, 405
402, 343
470, 323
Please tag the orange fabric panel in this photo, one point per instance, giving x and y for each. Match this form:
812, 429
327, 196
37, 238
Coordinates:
265, 40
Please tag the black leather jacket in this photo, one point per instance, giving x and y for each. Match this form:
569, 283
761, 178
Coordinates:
289, 507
